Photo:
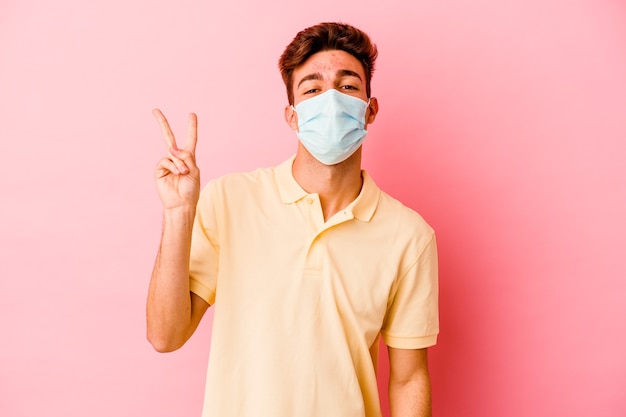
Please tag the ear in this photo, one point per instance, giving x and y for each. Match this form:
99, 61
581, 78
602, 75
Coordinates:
291, 117
372, 111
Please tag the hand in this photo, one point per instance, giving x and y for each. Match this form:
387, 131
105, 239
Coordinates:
177, 176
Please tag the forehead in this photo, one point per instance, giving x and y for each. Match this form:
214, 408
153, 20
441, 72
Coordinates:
328, 63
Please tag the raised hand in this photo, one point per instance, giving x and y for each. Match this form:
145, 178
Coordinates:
177, 175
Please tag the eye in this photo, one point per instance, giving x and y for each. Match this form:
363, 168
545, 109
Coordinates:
311, 91
348, 87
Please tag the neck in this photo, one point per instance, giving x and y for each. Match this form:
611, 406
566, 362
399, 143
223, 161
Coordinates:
337, 185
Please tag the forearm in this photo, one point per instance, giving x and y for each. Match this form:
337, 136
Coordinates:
168, 308
411, 398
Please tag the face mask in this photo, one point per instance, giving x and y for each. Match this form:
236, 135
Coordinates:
331, 125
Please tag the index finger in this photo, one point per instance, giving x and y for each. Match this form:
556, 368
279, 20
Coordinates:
192, 133
165, 128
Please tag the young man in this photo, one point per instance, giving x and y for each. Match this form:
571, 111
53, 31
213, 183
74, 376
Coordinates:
307, 263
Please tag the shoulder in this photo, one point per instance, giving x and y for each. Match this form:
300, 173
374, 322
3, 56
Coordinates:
395, 212
390, 217
411, 233
241, 184
258, 176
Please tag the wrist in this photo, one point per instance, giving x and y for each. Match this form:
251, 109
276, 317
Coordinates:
183, 214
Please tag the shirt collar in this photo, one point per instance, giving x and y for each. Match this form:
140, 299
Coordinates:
363, 207
290, 190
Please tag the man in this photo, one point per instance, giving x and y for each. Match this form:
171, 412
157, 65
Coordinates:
307, 263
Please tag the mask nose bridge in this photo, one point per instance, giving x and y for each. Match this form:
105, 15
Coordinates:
333, 104
336, 104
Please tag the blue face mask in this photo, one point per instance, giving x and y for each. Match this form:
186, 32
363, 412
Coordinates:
331, 125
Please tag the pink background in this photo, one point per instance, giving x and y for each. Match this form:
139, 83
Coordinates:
502, 122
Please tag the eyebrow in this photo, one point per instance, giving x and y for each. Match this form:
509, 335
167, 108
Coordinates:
340, 74
347, 73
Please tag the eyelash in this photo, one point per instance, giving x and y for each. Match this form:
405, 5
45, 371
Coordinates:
343, 87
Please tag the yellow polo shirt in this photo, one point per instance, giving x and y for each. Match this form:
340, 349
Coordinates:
299, 302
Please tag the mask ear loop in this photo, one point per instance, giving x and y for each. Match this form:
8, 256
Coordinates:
294, 109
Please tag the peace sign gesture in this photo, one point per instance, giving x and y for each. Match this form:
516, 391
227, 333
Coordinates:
177, 176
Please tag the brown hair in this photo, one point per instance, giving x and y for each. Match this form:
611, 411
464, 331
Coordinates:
323, 37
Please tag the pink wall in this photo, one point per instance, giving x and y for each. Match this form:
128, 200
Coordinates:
502, 122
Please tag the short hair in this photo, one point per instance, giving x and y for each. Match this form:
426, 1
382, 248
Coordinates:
325, 37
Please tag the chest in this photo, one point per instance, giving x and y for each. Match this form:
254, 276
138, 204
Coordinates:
294, 266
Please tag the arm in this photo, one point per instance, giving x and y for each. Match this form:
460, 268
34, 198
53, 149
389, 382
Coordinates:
172, 311
409, 383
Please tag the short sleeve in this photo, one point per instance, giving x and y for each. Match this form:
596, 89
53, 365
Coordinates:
204, 256
412, 318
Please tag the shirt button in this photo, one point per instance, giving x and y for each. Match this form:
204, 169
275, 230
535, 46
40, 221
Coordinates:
309, 200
